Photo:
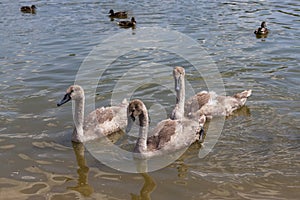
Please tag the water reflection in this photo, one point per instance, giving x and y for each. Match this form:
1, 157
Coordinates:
86, 189
181, 164
148, 187
261, 36
182, 168
243, 111
83, 187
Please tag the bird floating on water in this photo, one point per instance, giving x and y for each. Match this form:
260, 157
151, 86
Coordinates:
169, 135
211, 104
127, 24
100, 122
121, 14
262, 30
28, 9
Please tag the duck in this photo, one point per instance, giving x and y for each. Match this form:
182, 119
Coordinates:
262, 30
121, 14
28, 9
127, 24
210, 104
99, 123
169, 135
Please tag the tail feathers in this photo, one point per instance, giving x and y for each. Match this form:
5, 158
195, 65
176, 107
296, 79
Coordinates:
125, 101
244, 94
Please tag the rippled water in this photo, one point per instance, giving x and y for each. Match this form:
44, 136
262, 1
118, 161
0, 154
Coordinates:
257, 154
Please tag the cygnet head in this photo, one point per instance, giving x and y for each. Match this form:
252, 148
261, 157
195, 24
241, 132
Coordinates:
178, 74
136, 110
74, 92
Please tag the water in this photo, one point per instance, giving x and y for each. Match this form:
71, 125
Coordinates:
257, 154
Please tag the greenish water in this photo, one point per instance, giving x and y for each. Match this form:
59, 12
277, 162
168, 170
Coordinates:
257, 154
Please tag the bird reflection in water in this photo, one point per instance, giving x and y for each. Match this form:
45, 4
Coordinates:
82, 185
148, 187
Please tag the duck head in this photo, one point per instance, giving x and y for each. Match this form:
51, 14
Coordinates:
133, 20
263, 24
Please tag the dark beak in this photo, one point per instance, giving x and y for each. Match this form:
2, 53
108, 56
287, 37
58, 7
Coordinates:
201, 133
149, 118
66, 98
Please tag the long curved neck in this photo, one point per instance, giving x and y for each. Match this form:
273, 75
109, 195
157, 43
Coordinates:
141, 144
178, 112
78, 118
181, 96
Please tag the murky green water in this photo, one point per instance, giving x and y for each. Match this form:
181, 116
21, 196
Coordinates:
257, 154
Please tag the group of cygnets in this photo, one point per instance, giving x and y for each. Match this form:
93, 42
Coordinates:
183, 128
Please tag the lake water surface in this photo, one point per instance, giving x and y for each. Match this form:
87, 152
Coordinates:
257, 154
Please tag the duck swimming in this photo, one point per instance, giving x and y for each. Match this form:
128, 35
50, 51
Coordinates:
127, 24
100, 122
262, 30
169, 135
28, 9
121, 15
